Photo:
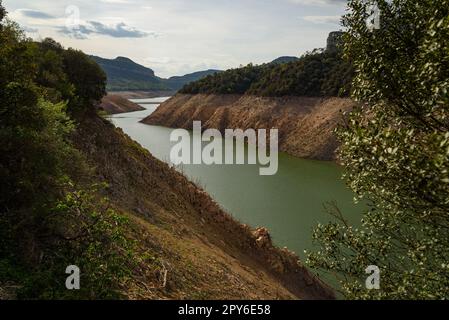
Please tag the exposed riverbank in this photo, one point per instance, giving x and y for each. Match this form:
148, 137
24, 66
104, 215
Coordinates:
207, 254
113, 104
306, 125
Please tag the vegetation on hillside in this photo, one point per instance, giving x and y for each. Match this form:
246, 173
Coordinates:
123, 74
319, 73
395, 150
52, 214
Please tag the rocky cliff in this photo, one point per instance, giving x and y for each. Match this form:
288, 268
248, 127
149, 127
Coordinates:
305, 124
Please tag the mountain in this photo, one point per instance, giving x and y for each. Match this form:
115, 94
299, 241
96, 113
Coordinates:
178, 82
317, 74
284, 59
126, 75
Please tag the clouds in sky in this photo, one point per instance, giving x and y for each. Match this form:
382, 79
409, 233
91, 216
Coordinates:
324, 19
174, 37
118, 30
34, 14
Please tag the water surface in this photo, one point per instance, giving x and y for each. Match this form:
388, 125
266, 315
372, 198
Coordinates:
289, 203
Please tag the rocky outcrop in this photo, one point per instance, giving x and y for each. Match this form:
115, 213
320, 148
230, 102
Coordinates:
306, 125
113, 104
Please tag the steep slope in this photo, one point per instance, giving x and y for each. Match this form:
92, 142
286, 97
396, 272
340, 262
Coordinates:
198, 250
113, 104
305, 124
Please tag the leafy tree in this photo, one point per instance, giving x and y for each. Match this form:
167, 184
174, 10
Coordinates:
395, 149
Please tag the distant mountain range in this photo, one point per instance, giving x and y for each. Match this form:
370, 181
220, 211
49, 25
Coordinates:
126, 75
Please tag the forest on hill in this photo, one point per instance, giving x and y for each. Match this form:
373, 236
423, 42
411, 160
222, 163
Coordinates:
123, 74
320, 73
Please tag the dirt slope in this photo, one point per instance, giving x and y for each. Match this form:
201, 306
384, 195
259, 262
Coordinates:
143, 94
204, 253
113, 104
305, 124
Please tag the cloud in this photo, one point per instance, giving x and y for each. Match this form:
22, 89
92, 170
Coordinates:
319, 2
36, 14
158, 60
323, 19
118, 30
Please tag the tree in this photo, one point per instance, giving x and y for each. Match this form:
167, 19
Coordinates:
395, 150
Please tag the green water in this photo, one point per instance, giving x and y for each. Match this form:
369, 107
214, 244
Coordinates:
289, 203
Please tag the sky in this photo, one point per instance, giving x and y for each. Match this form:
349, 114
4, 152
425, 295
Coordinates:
176, 37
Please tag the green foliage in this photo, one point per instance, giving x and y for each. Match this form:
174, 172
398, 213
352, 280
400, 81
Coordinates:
32, 131
125, 74
396, 153
85, 232
51, 77
47, 221
315, 74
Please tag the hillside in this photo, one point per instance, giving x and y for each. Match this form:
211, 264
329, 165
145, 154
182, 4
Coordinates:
305, 124
177, 82
80, 197
302, 97
185, 231
123, 74
317, 74
113, 104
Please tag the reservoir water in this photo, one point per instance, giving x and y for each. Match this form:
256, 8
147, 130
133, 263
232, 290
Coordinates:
290, 204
